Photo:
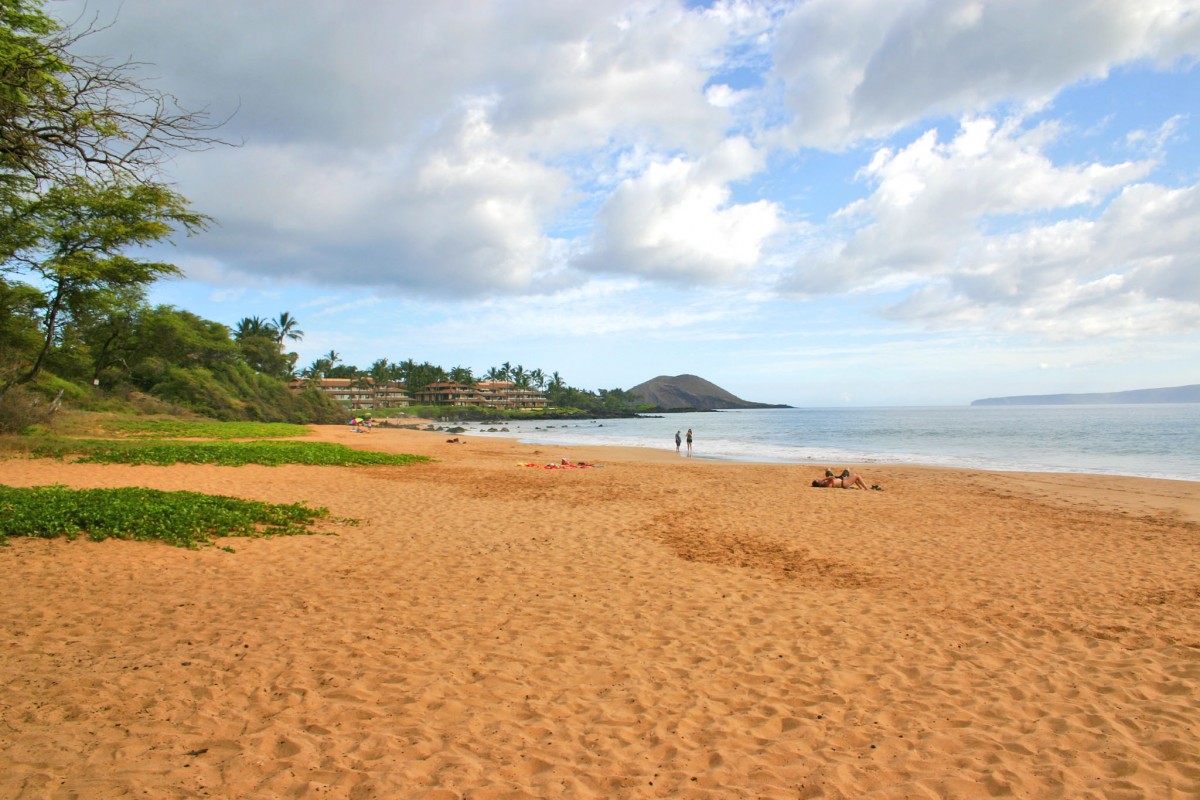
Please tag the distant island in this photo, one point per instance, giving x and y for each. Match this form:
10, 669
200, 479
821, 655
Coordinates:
1175, 394
690, 393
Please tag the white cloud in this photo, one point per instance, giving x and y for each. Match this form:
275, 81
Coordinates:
462, 215
418, 147
985, 231
865, 68
352, 305
591, 157
723, 96
676, 221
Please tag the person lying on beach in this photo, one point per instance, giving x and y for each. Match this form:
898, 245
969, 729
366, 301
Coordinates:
848, 482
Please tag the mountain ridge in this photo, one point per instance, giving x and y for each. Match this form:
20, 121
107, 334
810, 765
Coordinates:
692, 393
1171, 394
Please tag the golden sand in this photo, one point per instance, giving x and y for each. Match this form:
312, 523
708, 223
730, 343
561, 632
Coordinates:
656, 627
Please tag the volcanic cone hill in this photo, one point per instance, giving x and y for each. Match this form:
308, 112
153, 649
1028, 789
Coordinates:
689, 392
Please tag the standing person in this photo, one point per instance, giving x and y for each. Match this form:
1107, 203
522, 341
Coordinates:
689, 441
678, 441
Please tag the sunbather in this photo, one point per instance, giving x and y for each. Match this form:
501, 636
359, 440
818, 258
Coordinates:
849, 481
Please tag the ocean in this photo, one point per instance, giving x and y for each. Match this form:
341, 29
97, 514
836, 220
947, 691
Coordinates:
1154, 441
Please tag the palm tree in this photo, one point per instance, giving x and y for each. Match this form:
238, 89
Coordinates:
252, 327
286, 328
520, 377
462, 375
538, 379
381, 371
317, 369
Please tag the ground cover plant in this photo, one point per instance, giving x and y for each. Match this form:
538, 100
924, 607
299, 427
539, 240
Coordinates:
194, 429
183, 519
220, 453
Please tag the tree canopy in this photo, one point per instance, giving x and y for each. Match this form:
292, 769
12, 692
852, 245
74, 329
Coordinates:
74, 236
62, 115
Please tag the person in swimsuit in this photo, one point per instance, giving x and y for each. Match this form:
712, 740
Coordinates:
849, 482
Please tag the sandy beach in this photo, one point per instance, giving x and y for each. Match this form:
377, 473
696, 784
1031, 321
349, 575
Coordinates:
654, 627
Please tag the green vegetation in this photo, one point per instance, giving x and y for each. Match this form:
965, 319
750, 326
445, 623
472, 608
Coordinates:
225, 454
183, 519
168, 428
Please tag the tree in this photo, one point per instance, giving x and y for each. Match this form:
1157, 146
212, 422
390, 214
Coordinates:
19, 334
192, 362
73, 238
262, 344
82, 144
253, 328
167, 338
62, 115
105, 331
421, 375
286, 328
317, 369
262, 354
383, 371
462, 375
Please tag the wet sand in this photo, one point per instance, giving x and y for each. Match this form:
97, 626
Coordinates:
655, 627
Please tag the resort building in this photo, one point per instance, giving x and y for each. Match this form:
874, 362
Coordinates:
484, 394
361, 393
364, 393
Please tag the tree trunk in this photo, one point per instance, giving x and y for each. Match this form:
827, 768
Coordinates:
51, 322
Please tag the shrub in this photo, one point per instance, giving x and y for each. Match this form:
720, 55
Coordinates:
21, 409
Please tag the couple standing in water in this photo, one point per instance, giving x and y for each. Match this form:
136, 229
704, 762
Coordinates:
678, 441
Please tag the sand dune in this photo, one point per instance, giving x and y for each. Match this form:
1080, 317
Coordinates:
657, 627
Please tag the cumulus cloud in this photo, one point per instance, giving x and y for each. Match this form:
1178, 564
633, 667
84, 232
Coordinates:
676, 221
854, 69
463, 216
416, 146
528, 147
933, 202
986, 231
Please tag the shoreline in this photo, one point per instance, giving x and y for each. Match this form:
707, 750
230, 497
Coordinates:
656, 627
863, 463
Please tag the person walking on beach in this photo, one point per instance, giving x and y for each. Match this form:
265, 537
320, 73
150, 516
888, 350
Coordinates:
678, 441
689, 441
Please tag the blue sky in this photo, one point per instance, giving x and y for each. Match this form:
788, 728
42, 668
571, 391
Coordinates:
821, 203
